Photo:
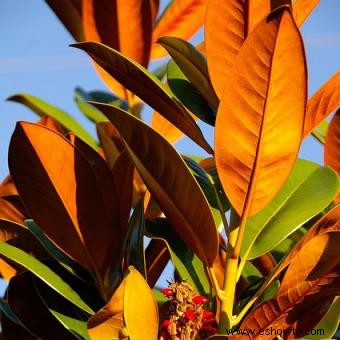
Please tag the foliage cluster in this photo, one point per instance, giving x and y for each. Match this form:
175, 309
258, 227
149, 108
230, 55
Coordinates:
251, 230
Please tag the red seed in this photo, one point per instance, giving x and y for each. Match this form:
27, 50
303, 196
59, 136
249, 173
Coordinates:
167, 292
199, 300
208, 315
209, 329
190, 315
166, 323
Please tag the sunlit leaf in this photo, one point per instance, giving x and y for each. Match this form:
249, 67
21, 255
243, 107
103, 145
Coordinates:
146, 86
323, 102
188, 95
309, 286
44, 273
302, 9
332, 143
253, 157
182, 18
132, 310
227, 24
65, 207
42, 109
129, 31
69, 13
153, 156
193, 65
308, 190
188, 266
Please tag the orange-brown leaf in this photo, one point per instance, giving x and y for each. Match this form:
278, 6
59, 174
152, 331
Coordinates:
302, 9
169, 181
332, 143
181, 19
253, 157
125, 25
323, 102
227, 24
61, 193
310, 284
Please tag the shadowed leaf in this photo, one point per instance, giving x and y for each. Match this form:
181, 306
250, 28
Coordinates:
154, 157
146, 86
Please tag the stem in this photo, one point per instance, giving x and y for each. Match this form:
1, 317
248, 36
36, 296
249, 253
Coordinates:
217, 288
318, 137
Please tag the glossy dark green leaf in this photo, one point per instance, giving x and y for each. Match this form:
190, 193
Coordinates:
62, 310
309, 189
188, 266
42, 108
193, 64
44, 273
135, 246
189, 95
82, 97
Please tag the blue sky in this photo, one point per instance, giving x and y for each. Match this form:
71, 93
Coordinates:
35, 58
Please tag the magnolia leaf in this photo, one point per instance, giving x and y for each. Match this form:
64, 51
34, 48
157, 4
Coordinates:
180, 19
44, 273
308, 190
42, 109
157, 257
131, 311
27, 305
81, 97
69, 13
309, 286
227, 24
154, 8
253, 157
62, 310
323, 102
154, 157
135, 234
146, 86
192, 63
65, 206
188, 266
133, 39
332, 143
189, 95
110, 141
302, 9
329, 323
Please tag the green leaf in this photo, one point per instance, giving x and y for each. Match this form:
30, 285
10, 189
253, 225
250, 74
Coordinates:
159, 297
188, 266
207, 181
135, 247
62, 310
146, 86
321, 131
160, 71
70, 265
309, 189
329, 323
44, 273
82, 97
193, 65
6, 309
189, 95
42, 109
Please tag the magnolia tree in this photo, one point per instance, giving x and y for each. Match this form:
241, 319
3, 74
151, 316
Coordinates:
252, 231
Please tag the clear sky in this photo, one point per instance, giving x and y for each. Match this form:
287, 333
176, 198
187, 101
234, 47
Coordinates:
35, 58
